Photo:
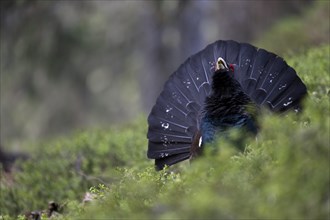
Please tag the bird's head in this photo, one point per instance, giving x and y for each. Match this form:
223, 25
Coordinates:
223, 78
222, 66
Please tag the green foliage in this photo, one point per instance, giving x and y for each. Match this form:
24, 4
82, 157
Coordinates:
284, 174
313, 67
63, 170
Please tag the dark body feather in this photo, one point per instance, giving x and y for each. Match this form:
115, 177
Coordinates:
226, 107
199, 101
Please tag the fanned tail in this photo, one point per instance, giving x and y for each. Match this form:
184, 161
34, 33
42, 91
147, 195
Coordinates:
175, 118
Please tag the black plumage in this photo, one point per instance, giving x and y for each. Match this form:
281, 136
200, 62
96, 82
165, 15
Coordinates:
202, 98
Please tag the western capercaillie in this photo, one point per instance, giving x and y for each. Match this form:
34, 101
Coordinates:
218, 88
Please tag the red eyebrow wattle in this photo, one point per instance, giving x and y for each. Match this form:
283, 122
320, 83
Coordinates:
231, 67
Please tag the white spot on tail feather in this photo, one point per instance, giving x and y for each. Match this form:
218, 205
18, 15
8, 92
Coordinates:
289, 102
282, 86
168, 110
165, 125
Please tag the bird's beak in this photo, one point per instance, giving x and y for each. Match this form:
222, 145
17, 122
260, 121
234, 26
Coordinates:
221, 65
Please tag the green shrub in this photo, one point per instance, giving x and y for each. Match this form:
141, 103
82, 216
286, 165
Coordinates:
64, 169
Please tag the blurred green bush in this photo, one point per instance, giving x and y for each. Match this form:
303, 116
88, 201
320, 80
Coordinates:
284, 174
64, 169
297, 33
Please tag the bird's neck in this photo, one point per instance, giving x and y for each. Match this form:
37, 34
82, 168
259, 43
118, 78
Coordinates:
224, 108
226, 99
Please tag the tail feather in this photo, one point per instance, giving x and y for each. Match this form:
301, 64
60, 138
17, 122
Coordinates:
170, 160
272, 72
249, 83
246, 56
293, 95
166, 149
281, 85
232, 51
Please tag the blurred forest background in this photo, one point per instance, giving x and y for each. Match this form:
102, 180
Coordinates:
69, 65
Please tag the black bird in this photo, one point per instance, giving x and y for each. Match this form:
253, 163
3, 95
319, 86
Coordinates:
218, 88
